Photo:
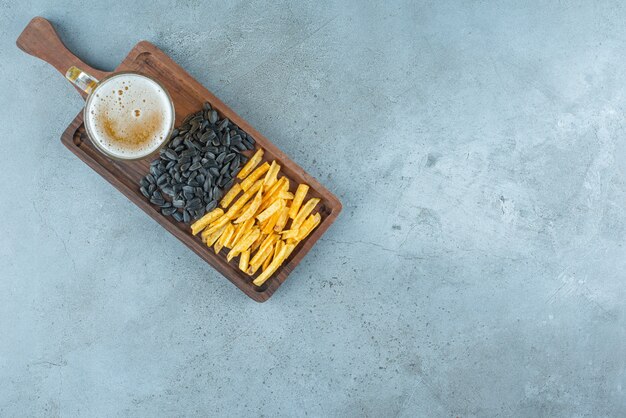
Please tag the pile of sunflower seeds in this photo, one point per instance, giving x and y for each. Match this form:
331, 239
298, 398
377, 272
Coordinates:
197, 166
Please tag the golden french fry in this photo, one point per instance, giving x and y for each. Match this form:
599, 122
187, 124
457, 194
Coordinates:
244, 243
256, 244
273, 189
243, 260
243, 209
290, 247
236, 229
271, 222
285, 195
218, 224
282, 219
228, 197
261, 255
203, 222
243, 230
249, 213
251, 164
268, 259
289, 233
270, 198
304, 212
277, 247
272, 173
254, 176
263, 225
224, 238
268, 241
211, 238
271, 209
217, 247
307, 226
243, 199
301, 192
276, 262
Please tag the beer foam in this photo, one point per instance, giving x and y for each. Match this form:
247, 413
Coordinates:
129, 115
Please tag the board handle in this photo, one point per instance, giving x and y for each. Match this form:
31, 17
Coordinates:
40, 40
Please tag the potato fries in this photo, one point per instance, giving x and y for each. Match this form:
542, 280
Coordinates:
270, 177
201, 223
301, 192
243, 260
259, 219
250, 165
228, 197
304, 212
256, 174
272, 209
249, 213
276, 262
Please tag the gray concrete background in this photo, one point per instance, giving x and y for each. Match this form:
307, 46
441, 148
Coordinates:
478, 266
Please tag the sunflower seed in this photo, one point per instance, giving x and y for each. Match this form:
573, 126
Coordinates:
171, 154
217, 192
168, 211
220, 158
204, 138
206, 106
214, 171
144, 191
162, 180
212, 116
229, 184
178, 216
152, 188
248, 145
223, 124
211, 205
186, 217
194, 204
229, 157
226, 139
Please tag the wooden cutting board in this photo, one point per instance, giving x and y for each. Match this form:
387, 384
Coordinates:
41, 40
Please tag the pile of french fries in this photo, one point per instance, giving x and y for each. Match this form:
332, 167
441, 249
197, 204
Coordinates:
255, 226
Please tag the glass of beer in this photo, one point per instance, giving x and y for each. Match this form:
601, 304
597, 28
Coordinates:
127, 115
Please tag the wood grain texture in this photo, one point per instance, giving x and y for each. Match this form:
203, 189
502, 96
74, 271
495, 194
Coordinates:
188, 96
39, 39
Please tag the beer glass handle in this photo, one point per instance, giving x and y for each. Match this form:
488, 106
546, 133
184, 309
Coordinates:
81, 79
